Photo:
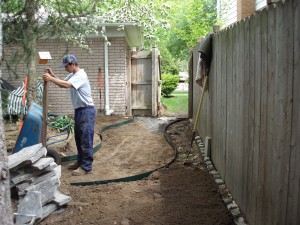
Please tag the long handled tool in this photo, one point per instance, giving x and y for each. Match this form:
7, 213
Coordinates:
44, 57
45, 110
199, 109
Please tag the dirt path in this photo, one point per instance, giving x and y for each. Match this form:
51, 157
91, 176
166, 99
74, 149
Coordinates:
178, 194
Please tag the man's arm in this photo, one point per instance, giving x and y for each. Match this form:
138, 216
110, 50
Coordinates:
57, 81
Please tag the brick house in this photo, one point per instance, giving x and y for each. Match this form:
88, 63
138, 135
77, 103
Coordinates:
112, 57
231, 11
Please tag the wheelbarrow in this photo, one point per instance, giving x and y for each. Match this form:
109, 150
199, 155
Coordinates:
31, 132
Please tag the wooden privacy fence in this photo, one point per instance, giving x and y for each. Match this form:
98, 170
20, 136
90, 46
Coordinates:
252, 113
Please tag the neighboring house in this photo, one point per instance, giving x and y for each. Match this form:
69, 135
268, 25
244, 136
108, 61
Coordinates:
231, 11
113, 58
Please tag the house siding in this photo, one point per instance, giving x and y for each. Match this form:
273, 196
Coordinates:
227, 11
59, 98
260, 4
231, 11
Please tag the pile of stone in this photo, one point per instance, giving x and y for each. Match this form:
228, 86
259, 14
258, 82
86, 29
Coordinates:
35, 178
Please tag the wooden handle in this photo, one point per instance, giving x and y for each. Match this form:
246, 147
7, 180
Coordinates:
200, 103
45, 110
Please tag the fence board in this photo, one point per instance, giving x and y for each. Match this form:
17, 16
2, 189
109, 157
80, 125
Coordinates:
250, 105
249, 115
258, 208
211, 86
213, 98
294, 177
255, 137
255, 113
268, 197
239, 155
246, 179
230, 111
221, 117
223, 100
229, 94
284, 95
220, 155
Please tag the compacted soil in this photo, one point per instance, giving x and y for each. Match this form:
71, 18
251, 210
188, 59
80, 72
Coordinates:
179, 189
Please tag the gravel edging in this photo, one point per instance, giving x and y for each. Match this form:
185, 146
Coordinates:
238, 216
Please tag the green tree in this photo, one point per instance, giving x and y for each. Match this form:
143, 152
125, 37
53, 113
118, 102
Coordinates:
199, 20
26, 21
196, 20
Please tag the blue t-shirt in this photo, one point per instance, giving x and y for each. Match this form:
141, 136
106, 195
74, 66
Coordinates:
81, 95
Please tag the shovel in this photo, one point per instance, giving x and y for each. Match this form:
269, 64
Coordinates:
199, 109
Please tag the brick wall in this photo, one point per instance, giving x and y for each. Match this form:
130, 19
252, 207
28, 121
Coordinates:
58, 98
245, 8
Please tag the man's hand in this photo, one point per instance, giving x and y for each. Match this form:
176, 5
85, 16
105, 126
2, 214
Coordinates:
49, 71
47, 77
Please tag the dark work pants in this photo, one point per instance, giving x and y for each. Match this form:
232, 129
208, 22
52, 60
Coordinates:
84, 136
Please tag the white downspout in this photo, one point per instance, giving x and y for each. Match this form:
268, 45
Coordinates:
107, 110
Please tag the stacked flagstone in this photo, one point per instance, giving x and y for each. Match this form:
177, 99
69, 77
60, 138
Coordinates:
36, 178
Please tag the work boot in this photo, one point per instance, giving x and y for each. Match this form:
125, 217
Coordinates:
79, 172
73, 166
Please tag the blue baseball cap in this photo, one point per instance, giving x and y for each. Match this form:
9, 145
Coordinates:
68, 59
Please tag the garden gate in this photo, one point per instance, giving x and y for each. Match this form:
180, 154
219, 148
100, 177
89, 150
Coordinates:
145, 84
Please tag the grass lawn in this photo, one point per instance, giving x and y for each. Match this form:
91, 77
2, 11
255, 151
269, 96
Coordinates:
177, 104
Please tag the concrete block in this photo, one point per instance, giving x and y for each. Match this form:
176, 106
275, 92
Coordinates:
232, 205
208, 163
52, 166
29, 205
21, 177
219, 181
210, 167
240, 221
235, 212
47, 188
18, 158
208, 146
57, 171
61, 199
39, 154
23, 186
42, 177
227, 200
206, 159
47, 209
42, 163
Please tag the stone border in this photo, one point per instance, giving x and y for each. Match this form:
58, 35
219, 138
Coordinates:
239, 218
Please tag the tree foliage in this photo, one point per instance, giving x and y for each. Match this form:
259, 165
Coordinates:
196, 20
26, 21
174, 30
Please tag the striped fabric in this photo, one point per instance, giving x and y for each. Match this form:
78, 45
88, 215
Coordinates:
15, 99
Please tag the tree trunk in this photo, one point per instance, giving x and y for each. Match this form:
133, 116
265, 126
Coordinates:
31, 48
5, 203
32, 76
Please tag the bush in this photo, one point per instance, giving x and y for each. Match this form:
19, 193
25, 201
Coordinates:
169, 84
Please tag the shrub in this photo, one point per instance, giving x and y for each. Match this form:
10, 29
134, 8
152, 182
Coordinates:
169, 84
